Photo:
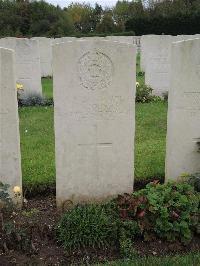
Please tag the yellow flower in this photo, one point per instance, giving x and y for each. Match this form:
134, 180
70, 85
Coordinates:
137, 84
17, 190
19, 86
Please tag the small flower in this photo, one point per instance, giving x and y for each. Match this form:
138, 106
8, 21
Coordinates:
137, 84
19, 86
17, 190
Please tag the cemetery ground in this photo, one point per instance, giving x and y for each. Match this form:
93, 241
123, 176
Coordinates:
37, 144
39, 215
33, 241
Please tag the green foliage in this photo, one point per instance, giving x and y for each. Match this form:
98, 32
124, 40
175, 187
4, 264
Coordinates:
11, 236
170, 211
194, 180
107, 25
87, 226
189, 259
126, 247
34, 99
168, 17
143, 93
128, 229
6, 203
39, 18
33, 18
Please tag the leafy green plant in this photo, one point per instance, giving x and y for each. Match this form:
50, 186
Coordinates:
128, 229
6, 203
170, 211
194, 180
126, 247
87, 226
143, 93
34, 99
140, 74
12, 236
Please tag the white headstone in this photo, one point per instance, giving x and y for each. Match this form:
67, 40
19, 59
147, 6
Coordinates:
136, 41
143, 51
145, 43
63, 39
157, 63
184, 110
185, 37
122, 39
45, 49
94, 94
10, 160
27, 65
94, 38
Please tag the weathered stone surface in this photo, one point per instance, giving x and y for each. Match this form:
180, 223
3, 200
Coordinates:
27, 64
126, 39
146, 43
157, 63
185, 37
143, 51
45, 49
94, 94
10, 160
136, 41
122, 39
63, 39
184, 110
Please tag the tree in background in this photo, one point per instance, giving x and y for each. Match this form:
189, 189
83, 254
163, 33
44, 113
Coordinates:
39, 18
81, 16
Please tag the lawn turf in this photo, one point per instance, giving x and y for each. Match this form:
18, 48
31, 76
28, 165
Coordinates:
37, 140
37, 143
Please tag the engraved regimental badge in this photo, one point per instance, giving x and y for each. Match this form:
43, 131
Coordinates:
95, 70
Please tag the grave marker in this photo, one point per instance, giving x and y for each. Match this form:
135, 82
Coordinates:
94, 94
10, 159
184, 110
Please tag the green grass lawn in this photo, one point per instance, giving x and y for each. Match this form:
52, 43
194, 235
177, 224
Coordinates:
47, 86
140, 78
37, 146
151, 127
37, 142
191, 259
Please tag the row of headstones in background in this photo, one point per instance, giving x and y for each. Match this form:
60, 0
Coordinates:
27, 62
94, 89
156, 60
34, 57
45, 46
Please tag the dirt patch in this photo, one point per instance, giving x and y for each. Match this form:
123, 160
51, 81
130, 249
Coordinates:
40, 216
51, 190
